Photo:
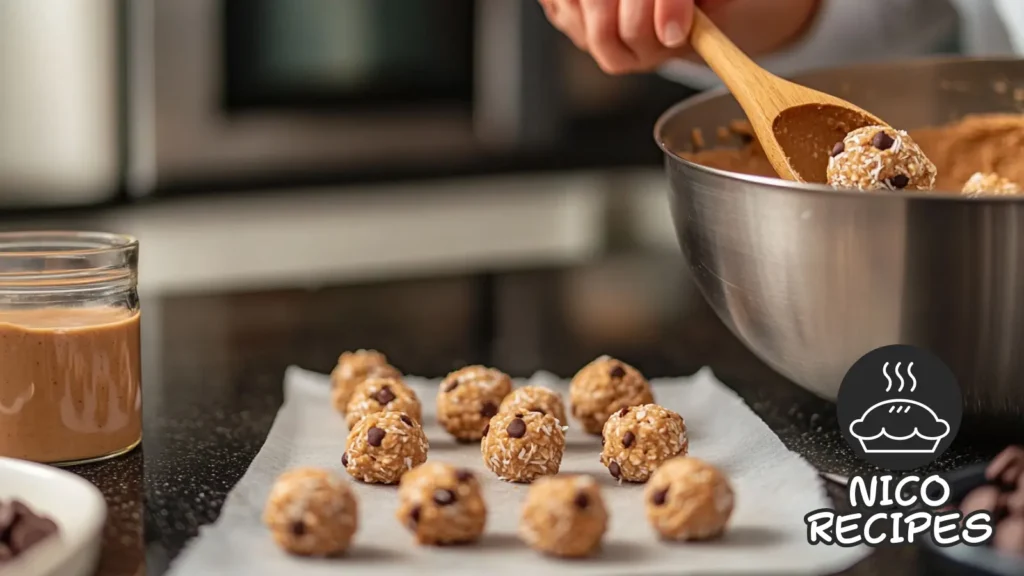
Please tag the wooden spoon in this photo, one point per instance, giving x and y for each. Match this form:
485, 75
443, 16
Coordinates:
796, 126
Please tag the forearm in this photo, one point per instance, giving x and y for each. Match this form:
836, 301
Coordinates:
848, 31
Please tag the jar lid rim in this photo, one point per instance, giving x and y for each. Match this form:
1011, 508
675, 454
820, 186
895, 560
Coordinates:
43, 243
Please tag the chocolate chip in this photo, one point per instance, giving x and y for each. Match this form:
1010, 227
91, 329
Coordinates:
28, 533
882, 141
414, 514
614, 469
838, 149
627, 439
344, 459
581, 501
516, 428
899, 181
539, 411
298, 528
602, 440
489, 409
444, 497
406, 420
519, 414
7, 516
617, 372
659, 497
384, 396
375, 436
623, 412
487, 428
451, 386
463, 475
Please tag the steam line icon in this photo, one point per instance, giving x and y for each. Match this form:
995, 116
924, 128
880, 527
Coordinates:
899, 425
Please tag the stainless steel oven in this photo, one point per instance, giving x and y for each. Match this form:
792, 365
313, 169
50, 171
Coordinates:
245, 89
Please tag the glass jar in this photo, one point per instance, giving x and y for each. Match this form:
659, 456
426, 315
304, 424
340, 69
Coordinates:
70, 370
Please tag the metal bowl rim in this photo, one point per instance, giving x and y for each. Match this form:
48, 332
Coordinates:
942, 196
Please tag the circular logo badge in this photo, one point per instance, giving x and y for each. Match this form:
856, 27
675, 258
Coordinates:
899, 407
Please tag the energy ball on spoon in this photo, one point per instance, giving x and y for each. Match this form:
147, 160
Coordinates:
383, 446
604, 387
687, 499
352, 369
441, 504
311, 512
468, 398
522, 446
989, 184
879, 158
535, 399
564, 516
382, 395
637, 440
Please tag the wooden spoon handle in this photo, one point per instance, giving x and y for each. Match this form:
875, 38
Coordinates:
735, 68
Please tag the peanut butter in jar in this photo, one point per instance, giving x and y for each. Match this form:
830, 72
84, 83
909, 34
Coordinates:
70, 369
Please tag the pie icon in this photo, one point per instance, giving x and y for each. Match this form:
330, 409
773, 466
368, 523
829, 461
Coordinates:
899, 426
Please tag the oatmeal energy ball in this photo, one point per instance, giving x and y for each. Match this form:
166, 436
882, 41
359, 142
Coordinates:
564, 516
441, 504
383, 446
535, 399
637, 440
468, 398
879, 158
311, 512
604, 387
521, 446
687, 499
988, 184
352, 369
382, 395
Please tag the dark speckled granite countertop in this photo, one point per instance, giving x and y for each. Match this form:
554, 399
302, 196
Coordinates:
214, 366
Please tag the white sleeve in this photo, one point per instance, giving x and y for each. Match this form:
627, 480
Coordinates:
848, 32
1012, 14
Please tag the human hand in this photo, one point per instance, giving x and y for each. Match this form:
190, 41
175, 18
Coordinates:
626, 36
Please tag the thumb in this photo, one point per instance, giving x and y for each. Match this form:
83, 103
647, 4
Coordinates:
672, 21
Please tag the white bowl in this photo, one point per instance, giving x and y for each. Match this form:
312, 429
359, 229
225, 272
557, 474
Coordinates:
73, 503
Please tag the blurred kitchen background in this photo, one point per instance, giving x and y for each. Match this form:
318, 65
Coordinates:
274, 145
251, 143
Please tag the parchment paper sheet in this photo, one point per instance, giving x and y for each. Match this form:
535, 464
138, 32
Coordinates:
774, 488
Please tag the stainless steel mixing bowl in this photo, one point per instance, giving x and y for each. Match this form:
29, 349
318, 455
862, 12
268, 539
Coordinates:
811, 279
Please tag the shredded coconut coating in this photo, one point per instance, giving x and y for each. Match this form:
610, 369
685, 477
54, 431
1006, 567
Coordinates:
352, 369
637, 440
564, 516
382, 395
880, 158
441, 504
535, 399
468, 398
383, 446
604, 387
312, 512
990, 184
687, 499
521, 447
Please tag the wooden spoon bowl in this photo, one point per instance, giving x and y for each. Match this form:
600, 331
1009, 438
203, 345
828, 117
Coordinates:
796, 126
